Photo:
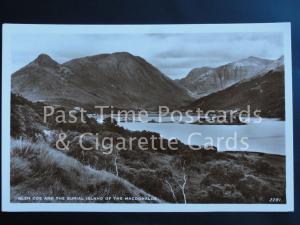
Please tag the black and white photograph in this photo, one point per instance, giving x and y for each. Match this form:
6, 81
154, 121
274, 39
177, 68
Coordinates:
148, 117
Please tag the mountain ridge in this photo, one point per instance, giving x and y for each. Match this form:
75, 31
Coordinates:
118, 79
264, 92
203, 81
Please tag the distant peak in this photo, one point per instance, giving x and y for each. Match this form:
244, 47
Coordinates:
252, 57
43, 57
45, 60
203, 69
122, 54
117, 55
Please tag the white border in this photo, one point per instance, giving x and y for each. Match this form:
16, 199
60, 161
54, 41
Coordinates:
19, 29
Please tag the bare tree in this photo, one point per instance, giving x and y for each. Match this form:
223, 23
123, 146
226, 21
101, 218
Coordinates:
181, 184
171, 190
182, 187
184, 181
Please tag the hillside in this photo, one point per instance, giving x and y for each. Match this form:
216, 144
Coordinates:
206, 80
264, 92
119, 79
184, 175
39, 170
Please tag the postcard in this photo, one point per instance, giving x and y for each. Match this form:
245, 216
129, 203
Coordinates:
147, 118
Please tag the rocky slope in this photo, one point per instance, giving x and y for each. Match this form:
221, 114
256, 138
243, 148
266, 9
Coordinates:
264, 92
206, 80
119, 79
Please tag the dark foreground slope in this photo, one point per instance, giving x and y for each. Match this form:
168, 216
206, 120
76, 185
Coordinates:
37, 170
184, 175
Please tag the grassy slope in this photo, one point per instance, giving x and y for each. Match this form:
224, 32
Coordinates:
38, 170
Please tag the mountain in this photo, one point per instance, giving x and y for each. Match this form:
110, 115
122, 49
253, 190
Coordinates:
206, 80
44, 80
118, 79
264, 92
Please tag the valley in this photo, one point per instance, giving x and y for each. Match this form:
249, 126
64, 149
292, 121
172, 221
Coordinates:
246, 166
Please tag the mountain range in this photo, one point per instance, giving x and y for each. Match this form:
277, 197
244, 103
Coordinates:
206, 80
264, 92
118, 79
159, 174
126, 81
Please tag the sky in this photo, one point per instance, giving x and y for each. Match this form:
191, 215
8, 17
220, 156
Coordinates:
173, 54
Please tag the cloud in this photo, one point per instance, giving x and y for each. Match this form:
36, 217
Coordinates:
174, 54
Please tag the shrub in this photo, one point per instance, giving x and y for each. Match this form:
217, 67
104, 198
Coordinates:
262, 167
